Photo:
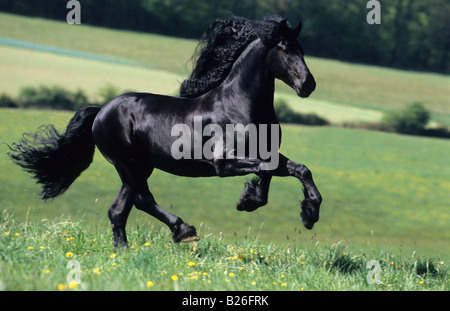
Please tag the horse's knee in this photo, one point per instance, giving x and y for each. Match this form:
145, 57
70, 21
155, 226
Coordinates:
144, 201
298, 170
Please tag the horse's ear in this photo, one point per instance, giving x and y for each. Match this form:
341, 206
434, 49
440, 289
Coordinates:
283, 23
281, 31
298, 29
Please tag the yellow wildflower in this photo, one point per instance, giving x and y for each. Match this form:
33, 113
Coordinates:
231, 274
150, 284
174, 277
73, 285
147, 244
61, 286
69, 254
96, 270
47, 271
191, 264
253, 283
31, 247
112, 256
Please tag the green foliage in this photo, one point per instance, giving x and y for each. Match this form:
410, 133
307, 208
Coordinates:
412, 120
54, 97
412, 34
107, 93
57, 97
6, 101
285, 114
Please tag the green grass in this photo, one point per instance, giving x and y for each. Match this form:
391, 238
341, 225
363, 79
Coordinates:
36, 256
379, 189
349, 88
25, 68
171, 54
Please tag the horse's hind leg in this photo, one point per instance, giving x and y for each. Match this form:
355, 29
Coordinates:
181, 232
118, 215
135, 176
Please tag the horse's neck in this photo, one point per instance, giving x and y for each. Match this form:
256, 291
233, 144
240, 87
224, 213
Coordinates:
250, 86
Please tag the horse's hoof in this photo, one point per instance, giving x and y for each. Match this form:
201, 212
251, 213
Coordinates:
185, 233
307, 220
247, 205
194, 238
250, 199
307, 224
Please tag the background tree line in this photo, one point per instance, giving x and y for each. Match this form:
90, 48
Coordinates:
413, 34
412, 120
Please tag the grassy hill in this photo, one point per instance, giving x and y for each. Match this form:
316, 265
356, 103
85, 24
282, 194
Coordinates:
345, 91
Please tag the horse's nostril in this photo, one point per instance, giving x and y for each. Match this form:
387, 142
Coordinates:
310, 83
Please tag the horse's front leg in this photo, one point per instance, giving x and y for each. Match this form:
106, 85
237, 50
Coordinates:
256, 191
311, 204
255, 194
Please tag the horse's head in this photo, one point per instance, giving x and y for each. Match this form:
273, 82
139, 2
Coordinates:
287, 64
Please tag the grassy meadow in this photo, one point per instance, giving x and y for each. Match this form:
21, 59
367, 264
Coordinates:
66, 255
386, 196
378, 188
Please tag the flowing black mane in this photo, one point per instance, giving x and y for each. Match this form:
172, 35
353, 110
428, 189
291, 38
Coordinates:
220, 46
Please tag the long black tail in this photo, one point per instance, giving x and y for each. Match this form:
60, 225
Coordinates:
54, 159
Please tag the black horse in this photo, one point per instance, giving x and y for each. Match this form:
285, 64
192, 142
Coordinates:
233, 82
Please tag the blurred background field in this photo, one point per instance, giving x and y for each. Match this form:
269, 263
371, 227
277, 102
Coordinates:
380, 189
359, 91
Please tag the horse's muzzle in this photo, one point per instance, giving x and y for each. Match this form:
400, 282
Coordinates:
307, 86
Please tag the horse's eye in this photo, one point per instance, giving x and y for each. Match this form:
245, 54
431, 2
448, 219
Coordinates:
285, 47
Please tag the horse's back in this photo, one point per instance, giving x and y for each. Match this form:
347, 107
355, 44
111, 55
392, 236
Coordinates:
139, 126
